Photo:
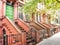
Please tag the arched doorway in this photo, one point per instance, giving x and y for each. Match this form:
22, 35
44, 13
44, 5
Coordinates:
5, 41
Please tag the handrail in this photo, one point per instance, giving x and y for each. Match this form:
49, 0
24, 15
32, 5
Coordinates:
44, 25
12, 24
48, 24
39, 25
23, 24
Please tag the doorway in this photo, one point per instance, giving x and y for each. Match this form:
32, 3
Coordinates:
4, 37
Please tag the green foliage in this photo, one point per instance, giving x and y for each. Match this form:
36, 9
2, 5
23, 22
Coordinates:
30, 7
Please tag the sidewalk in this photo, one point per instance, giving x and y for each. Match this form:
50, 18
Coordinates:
54, 40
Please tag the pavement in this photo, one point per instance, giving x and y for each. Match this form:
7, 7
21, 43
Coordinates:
53, 40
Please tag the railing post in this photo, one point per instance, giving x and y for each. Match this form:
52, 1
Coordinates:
23, 38
37, 37
48, 32
33, 33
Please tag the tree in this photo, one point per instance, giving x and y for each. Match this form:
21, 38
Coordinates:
31, 6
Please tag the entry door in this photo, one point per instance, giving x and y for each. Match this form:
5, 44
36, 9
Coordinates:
5, 42
9, 11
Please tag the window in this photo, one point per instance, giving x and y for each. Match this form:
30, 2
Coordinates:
27, 17
37, 18
20, 13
